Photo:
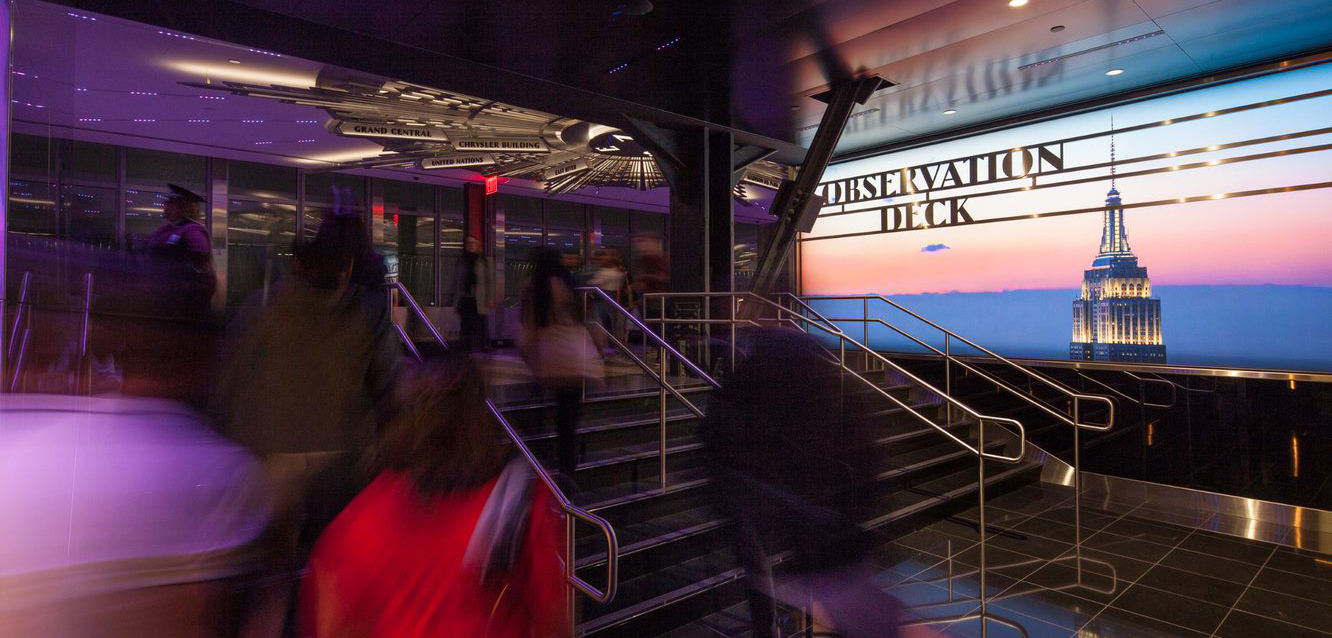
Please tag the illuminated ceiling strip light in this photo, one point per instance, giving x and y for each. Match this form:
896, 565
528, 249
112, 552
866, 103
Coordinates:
1074, 54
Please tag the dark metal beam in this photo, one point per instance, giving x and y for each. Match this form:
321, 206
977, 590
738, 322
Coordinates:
664, 144
742, 157
792, 198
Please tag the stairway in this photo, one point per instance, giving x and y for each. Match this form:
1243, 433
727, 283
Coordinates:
677, 573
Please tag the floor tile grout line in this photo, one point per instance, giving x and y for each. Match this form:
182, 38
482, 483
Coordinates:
1139, 578
1243, 592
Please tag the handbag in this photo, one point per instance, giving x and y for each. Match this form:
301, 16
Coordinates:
566, 351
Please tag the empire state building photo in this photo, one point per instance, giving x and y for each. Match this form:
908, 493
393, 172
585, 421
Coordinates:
1116, 318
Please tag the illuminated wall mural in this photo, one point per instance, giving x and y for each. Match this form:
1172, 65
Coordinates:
1224, 193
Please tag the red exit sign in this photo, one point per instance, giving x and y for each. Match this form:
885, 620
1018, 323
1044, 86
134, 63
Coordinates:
492, 184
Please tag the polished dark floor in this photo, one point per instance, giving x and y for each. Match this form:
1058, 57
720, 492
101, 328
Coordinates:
1141, 577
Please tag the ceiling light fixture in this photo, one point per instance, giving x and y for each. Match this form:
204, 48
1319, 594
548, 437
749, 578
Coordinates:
1017, 3
1056, 28
1114, 72
950, 112
234, 61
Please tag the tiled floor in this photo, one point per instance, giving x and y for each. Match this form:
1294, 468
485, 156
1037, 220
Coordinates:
1141, 577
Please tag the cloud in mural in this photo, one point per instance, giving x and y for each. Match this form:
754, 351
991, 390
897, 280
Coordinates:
929, 248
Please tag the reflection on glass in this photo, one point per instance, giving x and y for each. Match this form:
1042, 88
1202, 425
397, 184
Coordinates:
565, 241
91, 212
32, 219
259, 241
143, 215
408, 250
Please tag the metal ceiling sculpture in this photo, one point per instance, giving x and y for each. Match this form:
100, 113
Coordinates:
427, 128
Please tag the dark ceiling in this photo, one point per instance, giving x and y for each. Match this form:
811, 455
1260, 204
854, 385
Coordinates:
752, 64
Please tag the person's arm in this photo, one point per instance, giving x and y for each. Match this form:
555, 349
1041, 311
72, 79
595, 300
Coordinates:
198, 244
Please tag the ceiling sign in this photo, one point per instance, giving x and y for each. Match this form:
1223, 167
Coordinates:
396, 131
761, 178
567, 168
503, 144
456, 161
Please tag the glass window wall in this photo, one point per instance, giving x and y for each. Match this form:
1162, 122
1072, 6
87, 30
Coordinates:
259, 242
409, 236
450, 239
324, 191
147, 174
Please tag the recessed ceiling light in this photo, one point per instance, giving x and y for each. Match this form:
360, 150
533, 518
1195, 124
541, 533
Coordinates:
795, 107
1056, 28
234, 61
1114, 71
1016, 3
950, 112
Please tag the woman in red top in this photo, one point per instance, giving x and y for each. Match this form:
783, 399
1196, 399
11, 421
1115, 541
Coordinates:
391, 565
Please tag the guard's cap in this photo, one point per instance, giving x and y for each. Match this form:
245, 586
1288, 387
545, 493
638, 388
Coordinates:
185, 194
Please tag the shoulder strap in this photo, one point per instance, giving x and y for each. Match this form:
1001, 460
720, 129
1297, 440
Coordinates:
497, 539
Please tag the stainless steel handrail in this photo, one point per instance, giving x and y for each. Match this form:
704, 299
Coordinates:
85, 366
1075, 396
846, 339
1145, 380
660, 376
18, 315
979, 450
661, 343
570, 510
21, 316
966, 366
1075, 399
612, 543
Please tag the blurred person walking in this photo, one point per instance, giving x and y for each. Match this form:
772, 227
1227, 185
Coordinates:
556, 346
475, 296
790, 461
452, 538
305, 385
126, 515
611, 278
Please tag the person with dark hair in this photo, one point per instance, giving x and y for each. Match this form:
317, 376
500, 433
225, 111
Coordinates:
415, 554
475, 295
306, 385
790, 461
558, 348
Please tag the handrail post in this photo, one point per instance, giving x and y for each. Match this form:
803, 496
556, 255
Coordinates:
841, 373
735, 301
1077, 486
865, 328
661, 400
582, 378
980, 509
948, 374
